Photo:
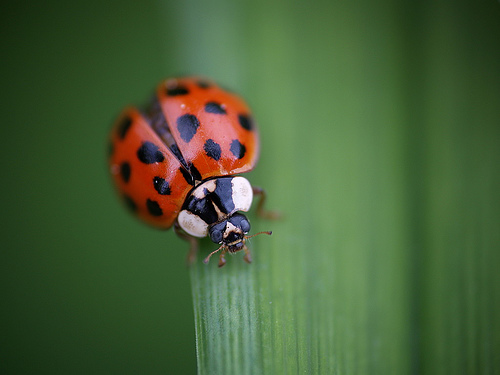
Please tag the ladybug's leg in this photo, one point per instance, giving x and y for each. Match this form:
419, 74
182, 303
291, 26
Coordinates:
248, 257
261, 211
222, 259
193, 243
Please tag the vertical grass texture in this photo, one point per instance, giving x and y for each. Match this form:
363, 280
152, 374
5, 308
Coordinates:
380, 133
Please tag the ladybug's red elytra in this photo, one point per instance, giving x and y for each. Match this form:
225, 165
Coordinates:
175, 164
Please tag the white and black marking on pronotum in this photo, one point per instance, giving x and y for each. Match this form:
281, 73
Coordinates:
213, 201
213, 209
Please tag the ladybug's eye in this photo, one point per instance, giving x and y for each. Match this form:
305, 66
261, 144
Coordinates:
217, 231
240, 221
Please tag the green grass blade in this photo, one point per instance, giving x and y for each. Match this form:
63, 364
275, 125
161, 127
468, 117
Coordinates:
368, 149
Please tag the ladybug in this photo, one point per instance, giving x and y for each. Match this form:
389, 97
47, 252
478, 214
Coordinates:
176, 163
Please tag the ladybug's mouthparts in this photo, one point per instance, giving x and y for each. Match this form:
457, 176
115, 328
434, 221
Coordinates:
235, 246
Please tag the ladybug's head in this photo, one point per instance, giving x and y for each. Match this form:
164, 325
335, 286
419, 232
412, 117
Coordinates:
231, 235
231, 232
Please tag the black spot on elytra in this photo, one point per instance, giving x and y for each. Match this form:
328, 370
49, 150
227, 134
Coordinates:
154, 208
237, 149
192, 175
212, 149
187, 125
125, 171
245, 121
161, 186
130, 203
149, 153
179, 90
123, 127
213, 107
203, 84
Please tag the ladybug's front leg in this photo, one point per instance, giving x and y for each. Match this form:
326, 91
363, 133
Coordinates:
261, 211
222, 259
193, 243
248, 257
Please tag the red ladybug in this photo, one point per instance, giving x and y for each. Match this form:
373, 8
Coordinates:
175, 163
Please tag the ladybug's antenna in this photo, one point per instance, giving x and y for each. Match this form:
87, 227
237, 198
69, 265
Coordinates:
256, 234
212, 253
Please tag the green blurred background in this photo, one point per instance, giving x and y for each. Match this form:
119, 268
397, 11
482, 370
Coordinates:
380, 126
87, 288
